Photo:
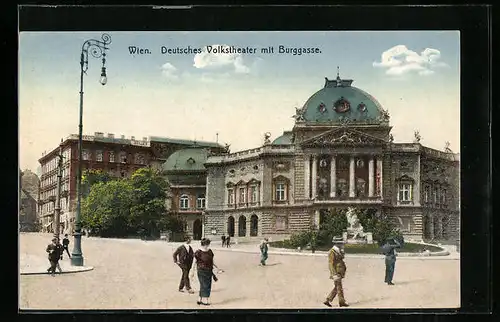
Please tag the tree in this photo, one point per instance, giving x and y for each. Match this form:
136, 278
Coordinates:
148, 208
379, 224
91, 177
106, 209
334, 224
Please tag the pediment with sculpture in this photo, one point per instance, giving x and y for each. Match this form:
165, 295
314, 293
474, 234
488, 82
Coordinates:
344, 137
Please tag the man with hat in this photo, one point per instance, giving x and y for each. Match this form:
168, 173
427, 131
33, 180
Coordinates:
337, 272
184, 256
388, 249
55, 251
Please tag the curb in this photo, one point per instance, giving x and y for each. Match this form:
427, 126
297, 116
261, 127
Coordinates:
72, 271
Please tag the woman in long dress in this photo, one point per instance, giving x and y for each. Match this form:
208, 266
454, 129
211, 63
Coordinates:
204, 265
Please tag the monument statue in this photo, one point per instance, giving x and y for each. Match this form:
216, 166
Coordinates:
355, 229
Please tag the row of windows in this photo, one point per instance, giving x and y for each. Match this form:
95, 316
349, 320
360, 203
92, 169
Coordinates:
244, 195
122, 157
438, 194
52, 164
52, 192
184, 202
53, 178
49, 206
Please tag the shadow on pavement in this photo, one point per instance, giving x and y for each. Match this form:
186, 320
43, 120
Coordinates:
365, 301
410, 282
236, 299
273, 264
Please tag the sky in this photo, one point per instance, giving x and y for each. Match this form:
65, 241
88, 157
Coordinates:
415, 75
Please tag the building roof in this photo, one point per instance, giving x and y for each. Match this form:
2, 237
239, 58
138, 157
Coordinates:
284, 139
185, 142
190, 159
338, 100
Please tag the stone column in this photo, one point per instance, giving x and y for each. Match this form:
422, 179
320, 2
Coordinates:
314, 176
333, 178
307, 176
379, 170
370, 177
352, 169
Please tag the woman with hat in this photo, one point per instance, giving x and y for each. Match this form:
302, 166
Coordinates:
204, 266
338, 269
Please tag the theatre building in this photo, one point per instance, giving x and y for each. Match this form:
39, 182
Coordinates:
339, 154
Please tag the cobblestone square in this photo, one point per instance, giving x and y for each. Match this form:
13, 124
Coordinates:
134, 274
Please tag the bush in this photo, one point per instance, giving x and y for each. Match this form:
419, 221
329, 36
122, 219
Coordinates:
300, 239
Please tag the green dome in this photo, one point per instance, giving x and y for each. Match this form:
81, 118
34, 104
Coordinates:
338, 100
191, 159
285, 139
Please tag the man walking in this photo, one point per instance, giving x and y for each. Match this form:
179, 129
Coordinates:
337, 272
263, 252
388, 250
183, 257
65, 244
54, 251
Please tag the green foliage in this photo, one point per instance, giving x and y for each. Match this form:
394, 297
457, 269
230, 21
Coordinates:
106, 210
301, 239
333, 224
126, 207
91, 177
380, 225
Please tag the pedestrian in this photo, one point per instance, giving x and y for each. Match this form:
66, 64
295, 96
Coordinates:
183, 256
263, 251
54, 256
223, 239
337, 272
65, 244
228, 241
388, 249
204, 267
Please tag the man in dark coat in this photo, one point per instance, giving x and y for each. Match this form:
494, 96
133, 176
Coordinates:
55, 251
388, 250
65, 244
183, 257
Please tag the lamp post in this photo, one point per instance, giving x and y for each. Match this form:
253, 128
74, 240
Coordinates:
57, 208
97, 49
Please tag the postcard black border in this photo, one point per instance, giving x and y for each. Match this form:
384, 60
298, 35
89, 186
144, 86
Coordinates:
474, 23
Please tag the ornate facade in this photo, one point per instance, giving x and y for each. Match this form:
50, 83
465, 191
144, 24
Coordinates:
339, 154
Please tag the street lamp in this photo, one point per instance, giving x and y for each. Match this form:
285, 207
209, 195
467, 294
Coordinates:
97, 49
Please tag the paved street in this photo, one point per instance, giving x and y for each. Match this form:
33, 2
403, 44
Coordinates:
134, 274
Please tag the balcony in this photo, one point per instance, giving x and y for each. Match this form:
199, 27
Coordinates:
349, 200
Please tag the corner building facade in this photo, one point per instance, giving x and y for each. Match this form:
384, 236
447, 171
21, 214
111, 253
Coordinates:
340, 153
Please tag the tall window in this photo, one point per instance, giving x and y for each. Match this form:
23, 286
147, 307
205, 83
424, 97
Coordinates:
200, 202
98, 156
405, 192
253, 193
435, 194
242, 195
139, 158
85, 155
230, 196
123, 157
184, 202
111, 156
280, 191
443, 196
426, 193
342, 188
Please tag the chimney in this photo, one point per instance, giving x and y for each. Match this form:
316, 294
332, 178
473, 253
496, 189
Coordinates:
132, 138
123, 137
144, 138
111, 135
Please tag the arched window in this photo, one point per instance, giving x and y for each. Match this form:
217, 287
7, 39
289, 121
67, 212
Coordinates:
184, 202
123, 157
230, 226
200, 201
242, 226
254, 225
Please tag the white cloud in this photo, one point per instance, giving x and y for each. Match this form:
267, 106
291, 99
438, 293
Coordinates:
400, 60
169, 71
208, 59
